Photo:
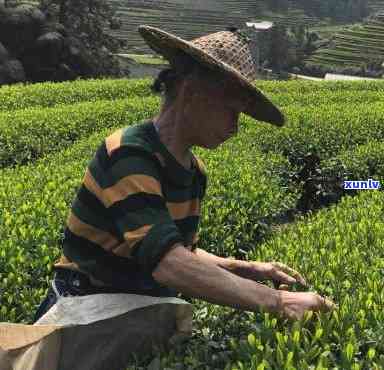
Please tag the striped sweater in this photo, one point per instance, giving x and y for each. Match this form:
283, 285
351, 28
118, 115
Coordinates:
135, 201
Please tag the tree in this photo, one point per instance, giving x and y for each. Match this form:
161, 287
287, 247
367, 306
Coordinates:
88, 21
279, 47
283, 48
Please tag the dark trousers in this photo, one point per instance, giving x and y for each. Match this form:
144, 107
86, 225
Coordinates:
72, 283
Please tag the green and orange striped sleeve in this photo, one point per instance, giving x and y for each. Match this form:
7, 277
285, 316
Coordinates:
136, 203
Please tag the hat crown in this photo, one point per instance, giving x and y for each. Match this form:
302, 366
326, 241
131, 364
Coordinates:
229, 48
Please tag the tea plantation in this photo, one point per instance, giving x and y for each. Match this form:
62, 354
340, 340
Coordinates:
273, 194
355, 46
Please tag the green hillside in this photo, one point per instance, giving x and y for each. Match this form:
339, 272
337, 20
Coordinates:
354, 46
193, 18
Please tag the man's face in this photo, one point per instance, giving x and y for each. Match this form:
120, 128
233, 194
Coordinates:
215, 111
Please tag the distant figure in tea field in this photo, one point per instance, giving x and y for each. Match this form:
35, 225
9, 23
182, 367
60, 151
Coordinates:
133, 225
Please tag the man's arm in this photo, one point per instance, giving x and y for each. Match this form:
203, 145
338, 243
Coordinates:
254, 270
201, 278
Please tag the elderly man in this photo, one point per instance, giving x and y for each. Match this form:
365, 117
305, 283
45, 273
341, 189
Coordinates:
133, 225
202, 108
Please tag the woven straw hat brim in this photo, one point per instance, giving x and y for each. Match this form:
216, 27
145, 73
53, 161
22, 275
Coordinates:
169, 46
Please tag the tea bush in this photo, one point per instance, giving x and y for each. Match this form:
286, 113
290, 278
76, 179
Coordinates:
324, 130
340, 252
314, 98
321, 183
22, 96
242, 197
303, 87
28, 134
363, 162
28, 131
50, 94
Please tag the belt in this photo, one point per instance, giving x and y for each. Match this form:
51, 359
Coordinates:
81, 284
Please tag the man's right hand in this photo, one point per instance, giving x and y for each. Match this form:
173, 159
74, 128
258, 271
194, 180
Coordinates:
293, 305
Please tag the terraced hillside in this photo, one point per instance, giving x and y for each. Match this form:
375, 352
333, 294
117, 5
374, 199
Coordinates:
376, 5
355, 46
193, 18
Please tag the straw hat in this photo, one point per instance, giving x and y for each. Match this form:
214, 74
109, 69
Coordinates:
226, 52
